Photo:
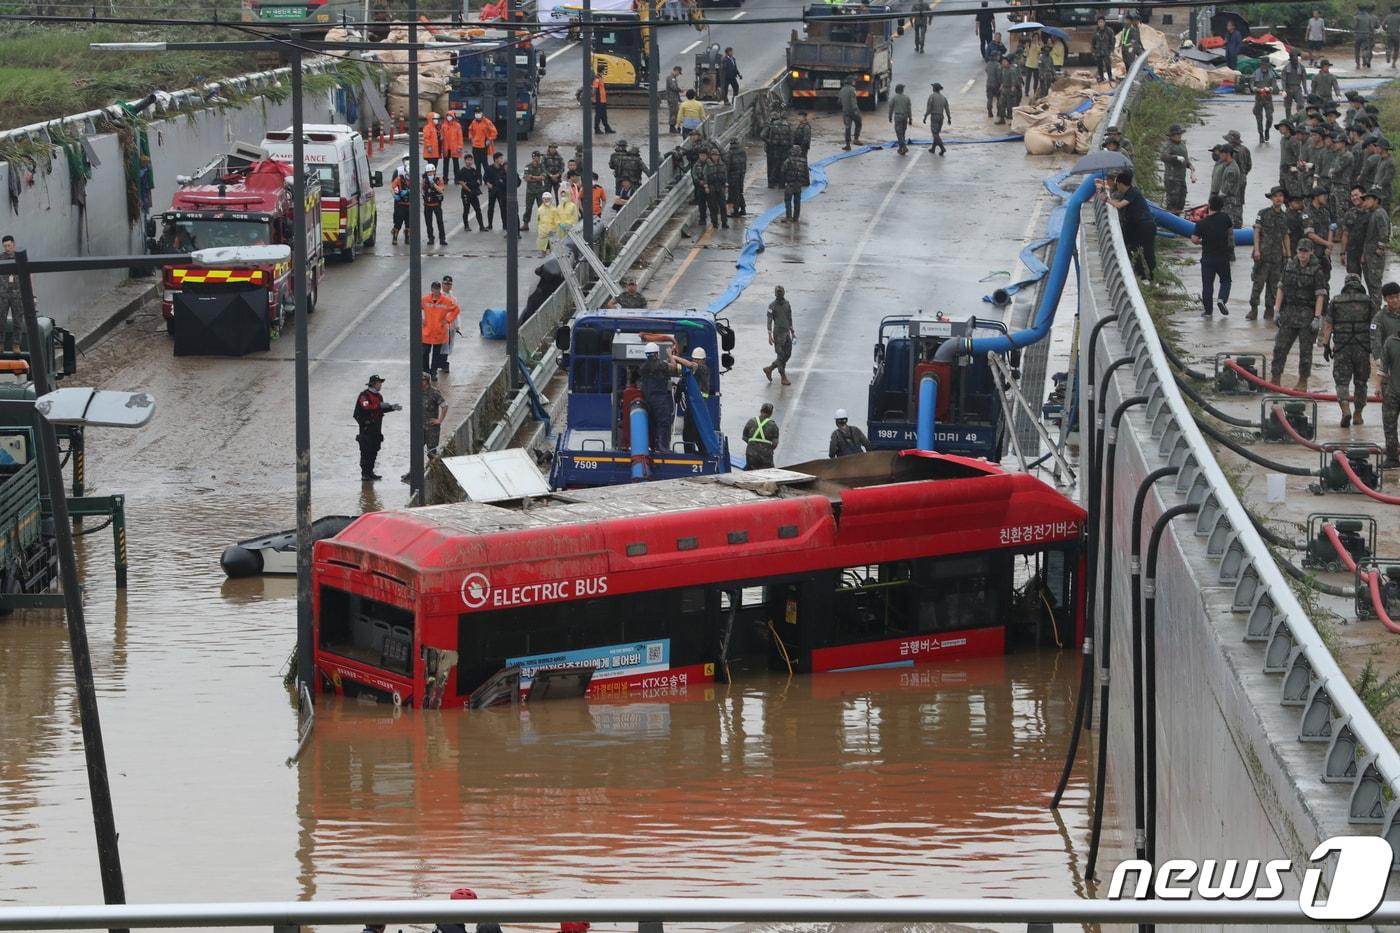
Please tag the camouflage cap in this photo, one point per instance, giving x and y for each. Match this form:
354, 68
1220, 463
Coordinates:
1176, 129
1352, 279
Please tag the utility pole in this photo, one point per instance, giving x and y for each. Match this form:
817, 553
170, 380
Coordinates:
302, 377
586, 23
103, 819
512, 218
653, 66
415, 267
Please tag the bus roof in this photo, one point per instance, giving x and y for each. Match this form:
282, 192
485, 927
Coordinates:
868, 497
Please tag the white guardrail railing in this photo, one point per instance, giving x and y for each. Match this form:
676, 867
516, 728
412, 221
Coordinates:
651, 913
166, 103
498, 413
1357, 752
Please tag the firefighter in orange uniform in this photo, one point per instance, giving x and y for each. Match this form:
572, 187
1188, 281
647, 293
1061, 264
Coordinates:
481, 132
453, 146
439, 311
432, 140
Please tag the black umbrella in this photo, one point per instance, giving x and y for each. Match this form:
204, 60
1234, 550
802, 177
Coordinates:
1218, 21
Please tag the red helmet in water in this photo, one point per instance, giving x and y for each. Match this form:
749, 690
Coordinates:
464, 894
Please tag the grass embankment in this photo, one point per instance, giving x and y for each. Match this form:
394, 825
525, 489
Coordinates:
49, 71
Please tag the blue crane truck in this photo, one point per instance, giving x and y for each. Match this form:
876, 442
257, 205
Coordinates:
602, 353
968, 417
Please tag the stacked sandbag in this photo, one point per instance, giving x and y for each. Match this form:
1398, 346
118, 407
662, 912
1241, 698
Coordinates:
434, 74
1028, 115
1062, 134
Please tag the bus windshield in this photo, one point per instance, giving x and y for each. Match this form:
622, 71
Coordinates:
183, 234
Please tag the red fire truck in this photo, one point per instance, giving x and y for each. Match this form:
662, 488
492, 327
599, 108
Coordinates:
893, 558
234, 203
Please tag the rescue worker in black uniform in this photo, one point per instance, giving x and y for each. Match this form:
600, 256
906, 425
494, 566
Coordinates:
655, 379
370, 409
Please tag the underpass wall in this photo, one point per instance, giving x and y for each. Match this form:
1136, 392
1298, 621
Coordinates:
1264, 748
47, 223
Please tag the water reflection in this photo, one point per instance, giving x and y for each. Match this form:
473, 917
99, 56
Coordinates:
878, 783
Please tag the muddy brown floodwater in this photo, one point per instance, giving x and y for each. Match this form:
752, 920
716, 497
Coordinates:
929, 781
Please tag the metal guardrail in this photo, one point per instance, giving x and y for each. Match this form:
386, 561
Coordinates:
166, 103
1038, 914
1331, 715
497, 415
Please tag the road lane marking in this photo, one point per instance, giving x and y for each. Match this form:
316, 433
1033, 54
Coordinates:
685, 264
740, 15
369, 309
968, 86
689, 47
829, 314
553, 55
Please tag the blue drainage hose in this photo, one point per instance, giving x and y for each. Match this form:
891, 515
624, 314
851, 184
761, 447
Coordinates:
1183, 227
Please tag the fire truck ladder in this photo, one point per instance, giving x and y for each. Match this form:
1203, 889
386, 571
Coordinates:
1010, 397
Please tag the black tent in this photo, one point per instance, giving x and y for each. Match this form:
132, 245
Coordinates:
220, 323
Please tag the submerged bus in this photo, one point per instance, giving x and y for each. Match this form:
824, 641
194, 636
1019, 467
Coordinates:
893, 558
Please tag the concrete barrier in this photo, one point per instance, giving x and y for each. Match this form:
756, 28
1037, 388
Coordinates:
1264, 748
46, 221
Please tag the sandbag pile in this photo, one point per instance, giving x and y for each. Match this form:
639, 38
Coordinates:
1062, 134
434, 73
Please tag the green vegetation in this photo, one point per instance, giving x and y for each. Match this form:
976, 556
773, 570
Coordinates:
50, 72
1379, 694
1157, 107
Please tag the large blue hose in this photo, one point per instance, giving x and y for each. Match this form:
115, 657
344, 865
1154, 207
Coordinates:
1050, 299
1183, 227
928, 406
640, 441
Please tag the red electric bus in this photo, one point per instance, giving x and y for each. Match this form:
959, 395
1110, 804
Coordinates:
893, 558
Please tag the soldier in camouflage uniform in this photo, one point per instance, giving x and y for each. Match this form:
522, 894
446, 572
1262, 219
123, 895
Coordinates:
11, 301
795, 177
1265, 84
1295, 84
777, 140
1298, 307
553, 169
615, 161
1226, 181
1338, 176
1385, 346
1245, 160
736, 164
716, 176
1271, 251
1175, 162
1289, 152
1347, 326
1354, 220
1010, 89
1374, 247
1384, 178
699, 175
631, 168
1320, 228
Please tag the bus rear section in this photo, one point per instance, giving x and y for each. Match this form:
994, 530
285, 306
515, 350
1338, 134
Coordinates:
887, 559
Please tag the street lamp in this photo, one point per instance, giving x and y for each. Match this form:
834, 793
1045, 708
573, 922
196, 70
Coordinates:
80, 407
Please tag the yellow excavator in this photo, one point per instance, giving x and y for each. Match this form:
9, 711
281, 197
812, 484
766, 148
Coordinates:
621, 45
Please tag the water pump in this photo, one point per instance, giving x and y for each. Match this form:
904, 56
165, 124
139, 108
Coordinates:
1389, 571
1365, 461
1356, 532
1301, 414
1227, 380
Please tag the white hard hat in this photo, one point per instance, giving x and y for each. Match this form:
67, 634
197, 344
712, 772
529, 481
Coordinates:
430, 169
651, 348
698, 354
840, 414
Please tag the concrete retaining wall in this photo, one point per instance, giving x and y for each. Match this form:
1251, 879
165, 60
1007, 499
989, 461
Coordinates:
49, 224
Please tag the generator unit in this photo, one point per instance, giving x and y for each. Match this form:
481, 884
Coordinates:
1227, 380
1357, 534
1365, 461
1300, 413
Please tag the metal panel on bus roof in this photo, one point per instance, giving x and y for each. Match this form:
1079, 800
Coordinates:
498, 475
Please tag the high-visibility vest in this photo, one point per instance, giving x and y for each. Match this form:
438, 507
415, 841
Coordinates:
758, 437
600, 91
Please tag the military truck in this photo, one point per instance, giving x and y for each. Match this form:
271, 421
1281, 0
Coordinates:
841, 42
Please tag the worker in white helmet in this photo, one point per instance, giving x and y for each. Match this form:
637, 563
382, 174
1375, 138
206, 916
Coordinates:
697, 365
846, 439
655, 378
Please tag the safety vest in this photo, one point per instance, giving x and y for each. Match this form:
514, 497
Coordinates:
758, 437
